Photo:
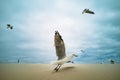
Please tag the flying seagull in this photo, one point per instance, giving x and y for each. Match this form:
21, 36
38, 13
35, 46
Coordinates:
82, 51
87, 11
9, 26
60, 52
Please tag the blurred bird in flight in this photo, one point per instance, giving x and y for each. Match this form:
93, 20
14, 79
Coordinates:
60, 52
9, 26
87, 11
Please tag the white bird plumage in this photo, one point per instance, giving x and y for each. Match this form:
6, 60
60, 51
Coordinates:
60, 52
64, 60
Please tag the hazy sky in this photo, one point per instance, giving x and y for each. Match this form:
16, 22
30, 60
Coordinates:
35, 21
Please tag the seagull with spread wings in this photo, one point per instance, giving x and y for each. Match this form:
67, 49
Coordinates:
60, 52
87, 11
9, 26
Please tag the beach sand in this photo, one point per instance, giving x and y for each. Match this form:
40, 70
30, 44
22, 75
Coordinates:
67, 72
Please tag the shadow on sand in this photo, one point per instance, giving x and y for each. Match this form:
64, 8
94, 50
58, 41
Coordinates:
62, 69
66, 68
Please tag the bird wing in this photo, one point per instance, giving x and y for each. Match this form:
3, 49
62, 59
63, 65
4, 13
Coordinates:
59, 46
84, 11
11, 27
91, 12
8, 25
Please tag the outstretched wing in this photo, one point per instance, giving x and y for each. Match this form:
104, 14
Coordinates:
59, 46
90, 12
87, 11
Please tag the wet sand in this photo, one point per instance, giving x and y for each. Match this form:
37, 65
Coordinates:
67, 72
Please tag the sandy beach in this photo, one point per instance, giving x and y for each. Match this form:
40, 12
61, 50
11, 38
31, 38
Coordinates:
67, 72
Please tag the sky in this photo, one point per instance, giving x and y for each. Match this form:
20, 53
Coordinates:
35, 21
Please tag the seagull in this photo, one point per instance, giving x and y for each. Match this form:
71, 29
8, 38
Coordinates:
112, 61
87, 11
60, 52
18, 61
9, 26
82, 51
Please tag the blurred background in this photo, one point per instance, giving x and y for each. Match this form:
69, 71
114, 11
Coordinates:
95, 38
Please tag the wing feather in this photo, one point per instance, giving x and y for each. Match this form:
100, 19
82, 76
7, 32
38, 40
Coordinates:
59, 46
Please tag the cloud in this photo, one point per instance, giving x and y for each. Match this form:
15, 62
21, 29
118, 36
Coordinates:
35, 23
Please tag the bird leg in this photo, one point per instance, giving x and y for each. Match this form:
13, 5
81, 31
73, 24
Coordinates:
57, 68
